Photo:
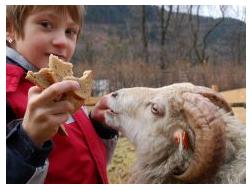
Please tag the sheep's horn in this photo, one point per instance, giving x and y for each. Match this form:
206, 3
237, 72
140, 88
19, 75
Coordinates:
214, 97
208, 127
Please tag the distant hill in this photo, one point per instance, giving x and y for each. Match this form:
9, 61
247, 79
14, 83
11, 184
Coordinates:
118, 15
108, 14
112, 46
109, 26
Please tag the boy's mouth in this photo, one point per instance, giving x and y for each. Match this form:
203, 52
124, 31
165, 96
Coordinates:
62, 57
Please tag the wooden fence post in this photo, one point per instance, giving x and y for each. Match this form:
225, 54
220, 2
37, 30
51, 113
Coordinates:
215, 87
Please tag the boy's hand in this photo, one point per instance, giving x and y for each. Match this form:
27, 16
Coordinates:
97, 116
98, 112
44, 114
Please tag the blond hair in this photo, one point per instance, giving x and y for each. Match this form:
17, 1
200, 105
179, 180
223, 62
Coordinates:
17, 14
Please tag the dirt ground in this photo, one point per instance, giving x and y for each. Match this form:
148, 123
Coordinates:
124, 155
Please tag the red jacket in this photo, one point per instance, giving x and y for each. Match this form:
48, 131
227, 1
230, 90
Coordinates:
78, 158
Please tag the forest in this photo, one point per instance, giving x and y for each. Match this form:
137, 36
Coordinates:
154, 46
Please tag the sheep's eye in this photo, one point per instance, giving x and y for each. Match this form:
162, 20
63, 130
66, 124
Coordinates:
154, 109
157, 109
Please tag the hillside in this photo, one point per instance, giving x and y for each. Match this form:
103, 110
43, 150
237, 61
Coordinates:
192, 49
120, 17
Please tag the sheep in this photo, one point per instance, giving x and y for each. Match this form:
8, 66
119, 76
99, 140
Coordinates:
183, 133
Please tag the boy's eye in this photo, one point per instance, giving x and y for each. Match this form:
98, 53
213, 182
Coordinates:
46, 24
72, 32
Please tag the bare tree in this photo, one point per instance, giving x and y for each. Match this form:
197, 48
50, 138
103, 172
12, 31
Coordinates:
238, 47
200, 46
177, 31
145, 35
164, 23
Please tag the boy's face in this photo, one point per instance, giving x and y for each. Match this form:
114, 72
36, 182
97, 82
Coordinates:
45, 33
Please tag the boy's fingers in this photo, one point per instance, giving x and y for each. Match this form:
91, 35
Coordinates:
57, 89
34, 90
62, 130
61, 108
59, 118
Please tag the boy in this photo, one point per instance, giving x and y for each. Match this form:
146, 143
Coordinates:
33, 118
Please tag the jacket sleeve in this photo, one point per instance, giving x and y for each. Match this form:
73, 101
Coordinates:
109, 137
25, 163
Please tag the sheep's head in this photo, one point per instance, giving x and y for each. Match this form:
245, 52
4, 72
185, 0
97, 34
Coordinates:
185, 115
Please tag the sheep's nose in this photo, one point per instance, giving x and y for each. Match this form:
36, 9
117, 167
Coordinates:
114, 94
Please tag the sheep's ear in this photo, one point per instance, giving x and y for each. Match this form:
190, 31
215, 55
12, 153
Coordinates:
208, 127
181, 139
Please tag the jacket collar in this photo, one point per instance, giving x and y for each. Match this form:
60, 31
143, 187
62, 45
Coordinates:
19, 59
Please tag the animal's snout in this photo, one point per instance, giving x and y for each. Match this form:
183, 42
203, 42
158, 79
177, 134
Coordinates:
114, 94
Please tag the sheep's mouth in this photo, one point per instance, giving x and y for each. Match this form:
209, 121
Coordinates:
106, 108
112, 112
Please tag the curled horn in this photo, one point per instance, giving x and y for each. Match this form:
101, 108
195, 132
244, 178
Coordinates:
214, 97
208, 128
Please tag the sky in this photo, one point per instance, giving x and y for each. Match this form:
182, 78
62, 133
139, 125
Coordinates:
233, 11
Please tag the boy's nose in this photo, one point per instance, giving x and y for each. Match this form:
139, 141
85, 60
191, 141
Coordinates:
60, 39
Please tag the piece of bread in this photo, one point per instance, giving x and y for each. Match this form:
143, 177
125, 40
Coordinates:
60, 67
44, 78
58, 71
85, 83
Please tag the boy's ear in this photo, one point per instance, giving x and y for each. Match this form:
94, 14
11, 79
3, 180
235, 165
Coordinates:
10, 33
